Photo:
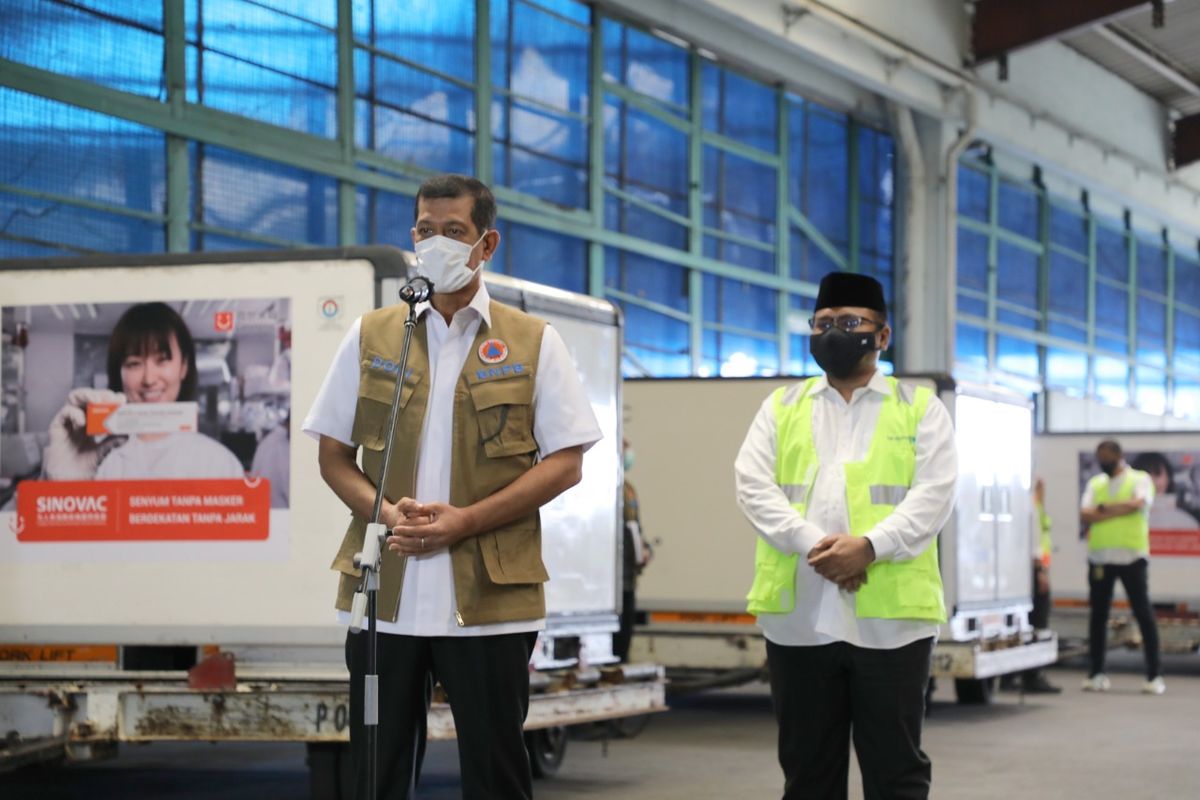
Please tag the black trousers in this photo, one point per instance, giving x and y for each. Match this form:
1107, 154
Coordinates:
486, 679
1101, 580
624, 635
1039, 617
827, 694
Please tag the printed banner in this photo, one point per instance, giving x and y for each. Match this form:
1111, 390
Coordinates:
161, 421
113, 511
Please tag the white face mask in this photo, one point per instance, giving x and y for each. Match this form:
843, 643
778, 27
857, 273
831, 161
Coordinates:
444, 262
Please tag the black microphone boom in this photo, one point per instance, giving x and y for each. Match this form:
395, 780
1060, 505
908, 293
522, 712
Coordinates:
417, 290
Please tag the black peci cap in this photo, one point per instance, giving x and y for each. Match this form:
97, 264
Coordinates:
851, 289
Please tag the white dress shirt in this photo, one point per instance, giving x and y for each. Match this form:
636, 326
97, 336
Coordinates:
842, 433
1143, 489
562, 417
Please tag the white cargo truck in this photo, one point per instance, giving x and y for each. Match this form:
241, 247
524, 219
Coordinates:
687, 433
114, 585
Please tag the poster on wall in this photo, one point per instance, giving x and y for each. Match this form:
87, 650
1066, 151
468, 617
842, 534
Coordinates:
160, 422
1175, 513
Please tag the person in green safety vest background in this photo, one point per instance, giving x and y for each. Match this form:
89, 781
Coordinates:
1033, 681
1116, 506
847, 479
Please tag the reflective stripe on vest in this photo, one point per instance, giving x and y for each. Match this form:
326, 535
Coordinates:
1126, 532
874, 487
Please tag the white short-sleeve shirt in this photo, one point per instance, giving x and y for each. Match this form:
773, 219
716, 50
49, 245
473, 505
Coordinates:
563, 418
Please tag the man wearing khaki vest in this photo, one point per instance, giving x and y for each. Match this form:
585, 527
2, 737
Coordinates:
1116, 505
493, 425
848, 478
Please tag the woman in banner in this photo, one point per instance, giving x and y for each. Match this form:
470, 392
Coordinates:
152, 359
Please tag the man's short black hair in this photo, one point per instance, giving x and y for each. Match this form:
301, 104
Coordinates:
449, 186
1110, 446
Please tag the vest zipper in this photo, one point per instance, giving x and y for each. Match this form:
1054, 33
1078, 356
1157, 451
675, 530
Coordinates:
458, 616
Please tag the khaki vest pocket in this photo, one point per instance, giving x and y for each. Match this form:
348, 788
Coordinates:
375, 391
505, 411
513, 554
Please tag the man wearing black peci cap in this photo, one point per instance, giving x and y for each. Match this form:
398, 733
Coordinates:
848, 478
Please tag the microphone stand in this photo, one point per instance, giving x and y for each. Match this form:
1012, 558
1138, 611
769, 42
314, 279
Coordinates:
370, 559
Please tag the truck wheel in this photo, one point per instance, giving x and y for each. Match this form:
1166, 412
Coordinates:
330, 771
547, 748
974, 691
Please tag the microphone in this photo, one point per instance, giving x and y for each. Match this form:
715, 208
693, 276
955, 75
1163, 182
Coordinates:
417, 290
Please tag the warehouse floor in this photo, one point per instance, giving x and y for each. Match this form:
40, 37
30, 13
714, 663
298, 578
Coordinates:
721, 745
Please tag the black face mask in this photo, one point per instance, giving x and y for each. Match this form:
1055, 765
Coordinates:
839, 353
1109, 468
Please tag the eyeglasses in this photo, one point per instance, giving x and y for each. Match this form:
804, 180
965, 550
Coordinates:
847, 322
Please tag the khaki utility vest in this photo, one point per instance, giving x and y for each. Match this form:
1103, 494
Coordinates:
499, 574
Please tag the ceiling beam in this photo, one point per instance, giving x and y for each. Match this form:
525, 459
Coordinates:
999, 27
1185, 141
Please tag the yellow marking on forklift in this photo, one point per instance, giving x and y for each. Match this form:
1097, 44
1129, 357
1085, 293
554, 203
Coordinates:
59, 652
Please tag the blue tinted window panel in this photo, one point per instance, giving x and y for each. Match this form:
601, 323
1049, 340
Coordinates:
1152, 331
547, 58
644, 224
1066, 370
1066, 330
1187, 281
1112, 310
1017, 276
739, 107
71, 41
384, 218
60, 149
660, 343
972, 194
809, 262
1187, 341
1068, 228
876, 166
1112, 255
739, 195
1112, 381
540, 256
741, 356
1150, 391
34, 223
440, 33
248, 90
740, 304
974, 306
1016, 356
827, 175
1152, 267
876, 228
646, 64
412, 139
800, 361
970, 347
252, 195
1068, 286
1016, 319
646, 278
1019, 209
215, 243
545, 133
429, 97
539, 176
739, 254
266, 38
972, 260
647, 157
1186, 400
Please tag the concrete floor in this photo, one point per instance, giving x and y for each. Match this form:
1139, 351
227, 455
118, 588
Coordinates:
721, 745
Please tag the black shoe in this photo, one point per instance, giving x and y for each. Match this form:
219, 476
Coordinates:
1008, 683
1039, 685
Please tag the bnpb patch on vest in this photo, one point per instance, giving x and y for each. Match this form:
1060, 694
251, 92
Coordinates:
501, 372
493, 351
387, 365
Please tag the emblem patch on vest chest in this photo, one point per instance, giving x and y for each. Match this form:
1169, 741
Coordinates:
493, 351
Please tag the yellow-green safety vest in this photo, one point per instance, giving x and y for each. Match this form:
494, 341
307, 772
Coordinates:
1047, 544
1127, 532
894, 589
